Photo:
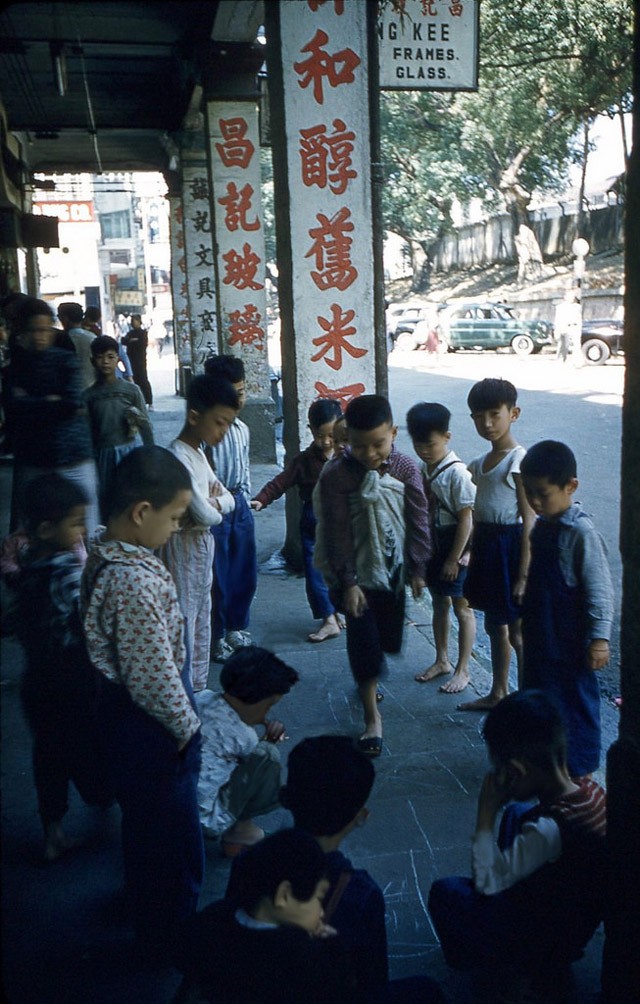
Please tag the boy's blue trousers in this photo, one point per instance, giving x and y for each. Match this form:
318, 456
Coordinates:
156, 788
317, 592
235, 569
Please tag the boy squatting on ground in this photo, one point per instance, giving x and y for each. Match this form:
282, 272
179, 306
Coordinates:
240, 775
537, 893
235, 561
304, 470
148, 724
451, 495
373, 535
503, 519
117, 415
212, 406
568, 603
57, 692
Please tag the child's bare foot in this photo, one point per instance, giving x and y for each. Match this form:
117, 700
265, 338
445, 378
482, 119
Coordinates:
330, 628
481, 703
457, 683
56, 842
244, 833
439, 668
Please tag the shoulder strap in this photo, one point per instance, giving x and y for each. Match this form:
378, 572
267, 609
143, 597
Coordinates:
342, 883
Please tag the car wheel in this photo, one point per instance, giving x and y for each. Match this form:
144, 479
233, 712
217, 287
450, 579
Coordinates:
522, 345
595, 351
406, 342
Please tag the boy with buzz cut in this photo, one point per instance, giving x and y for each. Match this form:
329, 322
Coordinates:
212, 406
240, 774
537, 892
235, 561
148, 725
568, 602
373, 536
451, 495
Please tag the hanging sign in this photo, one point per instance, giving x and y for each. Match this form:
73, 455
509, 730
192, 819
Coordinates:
429, 45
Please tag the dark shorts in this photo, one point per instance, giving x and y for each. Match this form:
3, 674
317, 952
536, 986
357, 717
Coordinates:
443, 541
493, 569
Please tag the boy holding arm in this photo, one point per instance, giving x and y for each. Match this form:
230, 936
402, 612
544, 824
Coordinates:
373, 536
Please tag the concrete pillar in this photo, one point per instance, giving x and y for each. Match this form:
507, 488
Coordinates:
234, 159
322, 96
198, 254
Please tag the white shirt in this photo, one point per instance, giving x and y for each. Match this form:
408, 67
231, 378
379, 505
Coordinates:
226, 740
203, 481
453, 488
496, 499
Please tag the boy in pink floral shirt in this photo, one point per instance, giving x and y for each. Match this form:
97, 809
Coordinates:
135, 630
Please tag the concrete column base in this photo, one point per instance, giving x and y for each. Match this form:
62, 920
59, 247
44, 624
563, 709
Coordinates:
260, 416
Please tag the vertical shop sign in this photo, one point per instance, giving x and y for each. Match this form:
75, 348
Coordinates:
239, 236
325, 73
199, 260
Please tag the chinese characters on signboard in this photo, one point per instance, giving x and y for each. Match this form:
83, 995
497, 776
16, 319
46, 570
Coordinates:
429, 45
195, 261
239, 236
179, 283
324, 56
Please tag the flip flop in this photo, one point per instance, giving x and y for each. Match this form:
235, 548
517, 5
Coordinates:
370, 745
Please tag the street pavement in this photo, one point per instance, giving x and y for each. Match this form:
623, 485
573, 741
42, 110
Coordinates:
65, 940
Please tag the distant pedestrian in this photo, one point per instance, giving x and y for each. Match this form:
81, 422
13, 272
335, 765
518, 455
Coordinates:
136, 342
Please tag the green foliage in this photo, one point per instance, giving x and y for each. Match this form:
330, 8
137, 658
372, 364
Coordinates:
546, 68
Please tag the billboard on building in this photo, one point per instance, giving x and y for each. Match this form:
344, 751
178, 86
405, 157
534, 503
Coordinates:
429, 45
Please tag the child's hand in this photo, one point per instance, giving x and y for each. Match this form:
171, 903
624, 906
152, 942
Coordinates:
598, 653
324, 931
519, 588
254, 504
273, 731
493, 795
217, 490
355, 602
417, 586
450, 570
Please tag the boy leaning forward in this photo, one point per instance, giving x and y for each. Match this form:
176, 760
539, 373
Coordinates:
373, 538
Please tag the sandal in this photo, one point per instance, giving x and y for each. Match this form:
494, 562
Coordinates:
370, 745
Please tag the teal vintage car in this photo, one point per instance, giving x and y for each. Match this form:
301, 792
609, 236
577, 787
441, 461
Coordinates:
475, 325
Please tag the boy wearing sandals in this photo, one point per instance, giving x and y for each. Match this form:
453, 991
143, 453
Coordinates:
373, 537
240, 774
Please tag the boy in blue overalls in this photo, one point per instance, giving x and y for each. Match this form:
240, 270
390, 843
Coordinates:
568, 602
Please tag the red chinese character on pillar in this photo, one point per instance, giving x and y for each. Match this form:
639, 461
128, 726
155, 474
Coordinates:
315, 150
338, 5
341, 394
244, 327
456, 9
338, 69
429, 8
236, 151
237, 204
178, 214
182, 265
180, 239
242, 268
183, 289
336, 332
331, 248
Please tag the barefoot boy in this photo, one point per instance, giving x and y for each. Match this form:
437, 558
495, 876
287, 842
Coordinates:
451, 495
374, 533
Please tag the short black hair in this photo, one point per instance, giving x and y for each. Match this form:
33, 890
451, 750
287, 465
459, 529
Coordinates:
147, 474
28, 308
102, 344
492, 392
328, 781
226, 367
325, 410
252, 673
71, 312
368, 412
206, 392
49, 498
526, 725
92, 314
286, 856
425, 418
551, 460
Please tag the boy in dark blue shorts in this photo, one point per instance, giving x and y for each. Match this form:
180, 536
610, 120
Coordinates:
568, 603
451, 495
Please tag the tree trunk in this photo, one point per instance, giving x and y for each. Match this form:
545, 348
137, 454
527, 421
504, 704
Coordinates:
420, 267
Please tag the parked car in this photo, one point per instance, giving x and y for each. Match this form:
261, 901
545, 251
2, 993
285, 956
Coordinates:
403, 317
491, 326
601, 339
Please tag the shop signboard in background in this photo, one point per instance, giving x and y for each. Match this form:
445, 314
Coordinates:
66, 212
429, 45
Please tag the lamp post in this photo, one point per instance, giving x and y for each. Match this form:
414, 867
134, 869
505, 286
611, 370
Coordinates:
580, 248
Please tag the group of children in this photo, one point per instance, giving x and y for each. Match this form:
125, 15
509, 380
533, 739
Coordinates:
178, 761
